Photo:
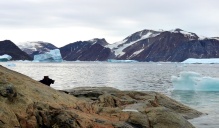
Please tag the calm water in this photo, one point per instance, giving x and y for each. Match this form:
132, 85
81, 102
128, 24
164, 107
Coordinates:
131, 76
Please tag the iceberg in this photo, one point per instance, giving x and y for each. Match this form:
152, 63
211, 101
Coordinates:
51, 56
201, 61
11, 65
5, 58
192, 81
121, 61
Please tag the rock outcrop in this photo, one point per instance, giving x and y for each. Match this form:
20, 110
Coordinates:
147, 109
26, 103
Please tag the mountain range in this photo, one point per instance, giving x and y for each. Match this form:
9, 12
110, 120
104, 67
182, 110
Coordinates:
147, 45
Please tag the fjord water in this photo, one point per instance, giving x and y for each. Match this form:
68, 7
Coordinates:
158, 77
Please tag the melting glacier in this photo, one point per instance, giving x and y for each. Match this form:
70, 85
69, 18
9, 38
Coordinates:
51, 56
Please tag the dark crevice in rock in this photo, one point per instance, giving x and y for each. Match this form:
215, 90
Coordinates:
115, 104
136, 125
128, 125
1, 122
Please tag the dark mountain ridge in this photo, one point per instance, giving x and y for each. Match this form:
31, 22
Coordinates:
86, 51
175, 46
8, 47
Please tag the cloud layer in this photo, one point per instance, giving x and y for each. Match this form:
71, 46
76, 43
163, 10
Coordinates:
72, 20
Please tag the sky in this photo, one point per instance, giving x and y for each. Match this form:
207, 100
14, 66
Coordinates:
61, 22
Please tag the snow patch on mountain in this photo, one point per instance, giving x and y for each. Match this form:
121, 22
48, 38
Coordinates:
100, 41
118, 50
30, 47
189, 35
136, 53
216, 38
118, 47
93, 41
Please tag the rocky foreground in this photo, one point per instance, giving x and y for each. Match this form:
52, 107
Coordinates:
26, 103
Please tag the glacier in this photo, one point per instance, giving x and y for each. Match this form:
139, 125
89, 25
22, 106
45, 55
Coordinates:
201, 61
5, 58
192, 81
121, 61
51, 56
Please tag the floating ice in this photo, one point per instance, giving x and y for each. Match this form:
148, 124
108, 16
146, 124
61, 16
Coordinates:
24, 61
202, 61
5, 58
11, 65
194, 81
121, 61
52, 56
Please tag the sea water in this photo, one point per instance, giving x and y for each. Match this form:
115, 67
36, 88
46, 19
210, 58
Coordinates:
187, 83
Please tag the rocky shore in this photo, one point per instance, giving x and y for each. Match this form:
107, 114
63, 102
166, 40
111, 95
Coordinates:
26, 103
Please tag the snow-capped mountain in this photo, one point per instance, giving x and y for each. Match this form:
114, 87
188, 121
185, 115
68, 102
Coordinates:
173, 45
37, 47
8, 47
119, 47
91, 50
147, 45
102, 41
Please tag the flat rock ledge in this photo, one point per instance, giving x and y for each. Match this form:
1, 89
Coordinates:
26, 103
146, 109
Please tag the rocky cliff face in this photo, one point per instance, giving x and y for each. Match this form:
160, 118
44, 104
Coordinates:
27, 103
92, 50
34, 48
8, 47
176, 46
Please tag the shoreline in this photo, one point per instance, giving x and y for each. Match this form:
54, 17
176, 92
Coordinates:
27, 103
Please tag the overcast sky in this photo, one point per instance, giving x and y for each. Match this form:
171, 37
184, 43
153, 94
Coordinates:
65, 21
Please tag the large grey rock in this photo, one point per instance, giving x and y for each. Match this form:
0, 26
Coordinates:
146, 109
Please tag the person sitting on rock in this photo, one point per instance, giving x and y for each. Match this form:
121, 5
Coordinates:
47, 81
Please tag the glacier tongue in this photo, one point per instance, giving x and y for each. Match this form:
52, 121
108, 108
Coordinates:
51, 56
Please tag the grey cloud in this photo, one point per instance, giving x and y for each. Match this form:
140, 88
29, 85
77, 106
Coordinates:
111, 15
